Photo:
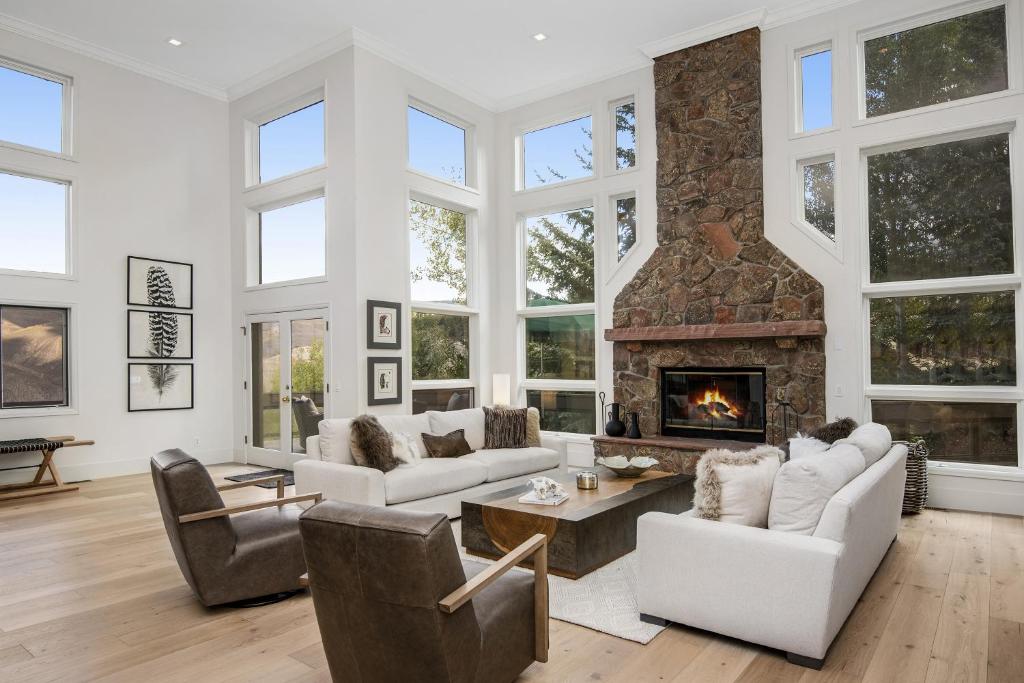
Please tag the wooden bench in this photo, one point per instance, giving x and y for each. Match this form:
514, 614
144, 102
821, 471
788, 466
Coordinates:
38, 487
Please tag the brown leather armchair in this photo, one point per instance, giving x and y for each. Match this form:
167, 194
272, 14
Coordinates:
395, 602
228, 560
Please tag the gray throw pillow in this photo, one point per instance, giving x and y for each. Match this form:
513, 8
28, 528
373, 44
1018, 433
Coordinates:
505, 428
451, 445
371, 444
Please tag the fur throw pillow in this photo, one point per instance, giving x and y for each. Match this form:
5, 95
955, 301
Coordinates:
736, 487
532, 427
833, 431
451, 445
371, 444
504, 428
405, 448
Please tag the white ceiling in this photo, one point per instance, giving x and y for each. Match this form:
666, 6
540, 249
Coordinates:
483, 48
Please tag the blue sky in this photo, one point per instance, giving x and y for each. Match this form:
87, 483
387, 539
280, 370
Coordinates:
817, 90
31, 111
555, 148
32, 224
292, 143
292, 241
437, 147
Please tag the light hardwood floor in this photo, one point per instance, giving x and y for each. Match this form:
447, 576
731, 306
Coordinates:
89, 590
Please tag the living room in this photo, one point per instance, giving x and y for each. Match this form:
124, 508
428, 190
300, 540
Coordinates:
677, 341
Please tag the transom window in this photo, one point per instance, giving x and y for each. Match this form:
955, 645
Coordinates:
34, 224
437, 147
33, 357
292, 242
291, 143
814, 88
557, 153
32, 107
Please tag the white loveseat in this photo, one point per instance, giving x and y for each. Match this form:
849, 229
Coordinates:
780, 589
434, 484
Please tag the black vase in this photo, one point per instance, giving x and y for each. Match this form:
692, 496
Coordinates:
634, 426
615, 426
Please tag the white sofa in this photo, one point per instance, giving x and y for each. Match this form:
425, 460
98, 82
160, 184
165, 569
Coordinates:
780, 589
435, 484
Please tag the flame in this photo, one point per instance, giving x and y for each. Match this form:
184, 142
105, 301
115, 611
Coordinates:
713, 398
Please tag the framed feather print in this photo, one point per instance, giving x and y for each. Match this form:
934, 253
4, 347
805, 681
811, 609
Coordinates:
160, 386
159, 284
159, 334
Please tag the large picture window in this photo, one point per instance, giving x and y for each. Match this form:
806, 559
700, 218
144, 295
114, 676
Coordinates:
440, 346
437, 254
292, 242
560, 258
34, 224
33, 357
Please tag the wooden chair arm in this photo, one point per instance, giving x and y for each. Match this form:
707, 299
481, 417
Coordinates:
536, 545
304, 580
248, 507
279, 478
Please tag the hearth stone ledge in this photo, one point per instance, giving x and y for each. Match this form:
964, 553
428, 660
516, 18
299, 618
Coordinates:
673, 453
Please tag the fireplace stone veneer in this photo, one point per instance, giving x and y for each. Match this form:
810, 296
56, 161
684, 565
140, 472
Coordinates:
714, 282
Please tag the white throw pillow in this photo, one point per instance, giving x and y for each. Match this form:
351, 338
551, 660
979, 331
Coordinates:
736, 487
804, 446
804, 486
334, 441
470, 420
405, 448
873, 440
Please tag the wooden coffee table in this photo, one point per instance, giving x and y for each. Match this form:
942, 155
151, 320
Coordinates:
584, 533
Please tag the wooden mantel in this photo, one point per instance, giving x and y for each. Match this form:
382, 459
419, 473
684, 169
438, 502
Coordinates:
783, 328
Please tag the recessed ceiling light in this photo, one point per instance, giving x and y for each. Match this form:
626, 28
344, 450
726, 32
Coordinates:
539, 37
175, 42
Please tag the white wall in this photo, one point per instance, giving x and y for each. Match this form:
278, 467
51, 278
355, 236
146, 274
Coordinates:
840, 270
150, 179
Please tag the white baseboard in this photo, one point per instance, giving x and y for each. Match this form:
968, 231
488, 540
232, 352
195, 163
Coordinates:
975, 494
114, 468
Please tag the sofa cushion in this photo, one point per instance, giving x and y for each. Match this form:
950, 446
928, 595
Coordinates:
334, 441
504, 463
413, 425
804, 486
470, 419
736, 487
432, 477
873, 440
806, 446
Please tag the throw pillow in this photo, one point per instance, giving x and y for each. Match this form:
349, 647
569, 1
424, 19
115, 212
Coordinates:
736, 487
371, 444
804, 446
451, 445
405, 448
833, 431
504, 428
873, 440
804, 486
532, 427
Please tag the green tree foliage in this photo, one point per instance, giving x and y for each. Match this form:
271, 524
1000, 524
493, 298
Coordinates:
560, 347
440, 346
442, 232
819, 197
625, 224
308, 372
625, 132
948, 60
560, 257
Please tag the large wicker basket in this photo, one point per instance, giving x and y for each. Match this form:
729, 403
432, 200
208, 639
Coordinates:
915, 495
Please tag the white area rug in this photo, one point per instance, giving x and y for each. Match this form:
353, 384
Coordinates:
603, 600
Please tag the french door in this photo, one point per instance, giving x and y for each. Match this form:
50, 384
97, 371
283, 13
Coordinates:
287, 385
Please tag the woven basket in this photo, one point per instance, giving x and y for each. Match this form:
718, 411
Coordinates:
915, 495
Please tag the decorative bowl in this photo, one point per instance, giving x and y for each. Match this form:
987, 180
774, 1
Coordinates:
628, 467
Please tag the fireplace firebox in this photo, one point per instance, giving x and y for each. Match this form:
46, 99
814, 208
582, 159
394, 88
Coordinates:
714, 403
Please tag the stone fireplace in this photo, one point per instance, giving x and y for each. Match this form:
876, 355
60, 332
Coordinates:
715, 294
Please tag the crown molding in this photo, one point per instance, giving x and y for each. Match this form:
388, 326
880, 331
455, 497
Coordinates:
102, 54
568, 85
702, 34
292, 64
802, 10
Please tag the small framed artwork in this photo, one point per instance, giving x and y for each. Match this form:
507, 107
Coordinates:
159, 334
384, 380
160, 386
383, 325
159, 284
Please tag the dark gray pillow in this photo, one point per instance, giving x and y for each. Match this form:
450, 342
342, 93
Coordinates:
833, 431
451, 445
505, 428
371, 444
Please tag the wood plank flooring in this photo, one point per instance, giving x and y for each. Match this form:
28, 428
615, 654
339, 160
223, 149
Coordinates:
89, 590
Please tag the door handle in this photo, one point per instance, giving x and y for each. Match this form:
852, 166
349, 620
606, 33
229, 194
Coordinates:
285, 399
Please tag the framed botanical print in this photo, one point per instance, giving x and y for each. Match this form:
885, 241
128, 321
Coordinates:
384, 380
159, 334
383, 325
160, 386
159, 284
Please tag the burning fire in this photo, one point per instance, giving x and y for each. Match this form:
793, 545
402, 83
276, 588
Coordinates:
716, 405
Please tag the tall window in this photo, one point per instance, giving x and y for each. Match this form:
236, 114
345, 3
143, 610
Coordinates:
624, 117
33, 111
292, 242
439, 244
817, 195
34, 224
437, 147
625, 225
292, 142
33, 357
814, 88
557, 153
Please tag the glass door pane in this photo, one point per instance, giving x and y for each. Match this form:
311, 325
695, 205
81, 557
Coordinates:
266, 385
307, 380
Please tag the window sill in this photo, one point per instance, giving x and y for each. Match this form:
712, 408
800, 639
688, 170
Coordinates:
1004, 473
286, 283
447, 183
37, 412
50, 154
285, 178
562, 183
